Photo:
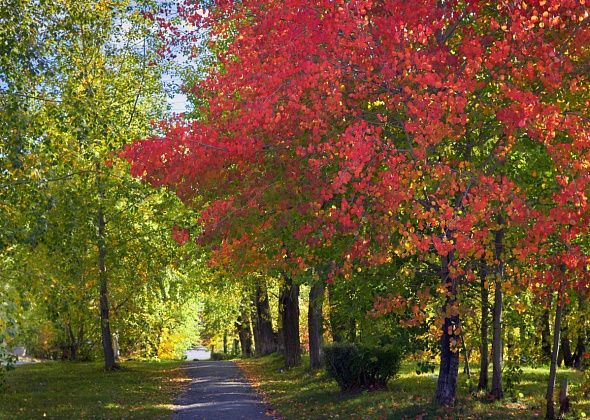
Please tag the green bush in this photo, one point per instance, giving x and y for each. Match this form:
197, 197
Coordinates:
222, 356
359, 366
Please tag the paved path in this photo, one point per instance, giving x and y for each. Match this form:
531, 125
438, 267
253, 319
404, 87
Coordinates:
218, 390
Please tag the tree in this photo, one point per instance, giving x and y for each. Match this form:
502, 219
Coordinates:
329, 123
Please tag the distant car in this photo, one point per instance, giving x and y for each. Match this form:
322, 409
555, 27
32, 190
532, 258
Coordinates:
198, 353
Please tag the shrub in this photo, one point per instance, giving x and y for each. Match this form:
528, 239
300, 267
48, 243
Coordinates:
359, 366
222, 356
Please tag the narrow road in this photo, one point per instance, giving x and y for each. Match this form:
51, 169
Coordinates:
218, 390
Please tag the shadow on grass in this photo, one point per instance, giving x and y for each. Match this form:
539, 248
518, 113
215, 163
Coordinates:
300, 394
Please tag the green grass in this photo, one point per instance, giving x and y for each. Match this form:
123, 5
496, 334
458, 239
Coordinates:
299, 394
62, 390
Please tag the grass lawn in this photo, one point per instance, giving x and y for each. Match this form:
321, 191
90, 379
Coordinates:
64, 390
299, 394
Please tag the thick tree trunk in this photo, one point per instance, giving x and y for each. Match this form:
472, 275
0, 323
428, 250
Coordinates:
290, 304
315, 319
449, 358
550, 414
580, 350
105, 324
245, 335
565, 350
497, 344
264, 336
482, 384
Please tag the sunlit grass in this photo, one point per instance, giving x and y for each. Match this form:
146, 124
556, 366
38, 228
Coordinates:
299, 394
84, 390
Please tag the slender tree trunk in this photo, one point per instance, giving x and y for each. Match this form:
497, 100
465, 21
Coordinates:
225, 342
73, 342
264, 336
482, 384
550, 414
280, 338
581, 342
449, 358
546, 334
105, 324
315, 324
466, 367
290, 304
497, 344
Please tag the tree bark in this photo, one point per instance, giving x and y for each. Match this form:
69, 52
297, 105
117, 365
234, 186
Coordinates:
105, 324
546, 334
225, 342
566, 351
550, 414
449, 358
497, 344
245, 335
482, 383
580, 350
290, 304
73, 342
264, 336
336, 328
315, 324
280, 338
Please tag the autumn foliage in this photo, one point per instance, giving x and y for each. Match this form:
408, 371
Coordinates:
372, 130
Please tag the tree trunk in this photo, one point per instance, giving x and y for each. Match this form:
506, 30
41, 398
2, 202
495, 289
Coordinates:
566, 351
497, 345
73, 342
225, 342
245, 335
482, 384
336, 328
581, 342
564, 399
466, 367
555, 351
580, 350
315, 319
105, 324
546, 334
264, 336
290, 304
280, 337
449, 358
